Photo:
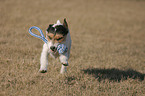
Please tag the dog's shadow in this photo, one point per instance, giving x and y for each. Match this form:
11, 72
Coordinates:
114, 74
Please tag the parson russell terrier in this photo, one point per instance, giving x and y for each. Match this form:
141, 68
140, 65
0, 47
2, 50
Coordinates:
56, 34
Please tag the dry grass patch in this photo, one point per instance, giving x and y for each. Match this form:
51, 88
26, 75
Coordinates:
107, 55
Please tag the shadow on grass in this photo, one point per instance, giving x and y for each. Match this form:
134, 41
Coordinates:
114, 74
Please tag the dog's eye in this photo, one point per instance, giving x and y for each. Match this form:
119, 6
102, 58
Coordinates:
59, 38
49, 37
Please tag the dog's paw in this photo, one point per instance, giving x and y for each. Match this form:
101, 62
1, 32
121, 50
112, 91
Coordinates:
42, 71
65, 64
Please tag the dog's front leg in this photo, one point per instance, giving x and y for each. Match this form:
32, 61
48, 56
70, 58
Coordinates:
44, 59
64, 61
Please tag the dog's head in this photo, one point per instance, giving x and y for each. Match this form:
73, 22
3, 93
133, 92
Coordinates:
56, 34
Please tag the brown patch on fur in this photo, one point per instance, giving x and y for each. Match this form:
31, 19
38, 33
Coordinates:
56, 38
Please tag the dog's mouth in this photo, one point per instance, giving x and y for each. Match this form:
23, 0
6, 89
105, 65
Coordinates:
53, 50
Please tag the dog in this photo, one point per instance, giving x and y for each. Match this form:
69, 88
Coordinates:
56, 34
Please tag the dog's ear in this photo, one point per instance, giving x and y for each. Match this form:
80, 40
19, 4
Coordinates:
48, 29
65, 23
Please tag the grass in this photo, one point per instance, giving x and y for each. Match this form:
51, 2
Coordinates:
107, 55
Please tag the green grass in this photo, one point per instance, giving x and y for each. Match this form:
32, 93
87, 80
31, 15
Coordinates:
107, 54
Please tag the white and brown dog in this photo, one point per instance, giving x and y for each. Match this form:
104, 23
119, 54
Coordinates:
56, 34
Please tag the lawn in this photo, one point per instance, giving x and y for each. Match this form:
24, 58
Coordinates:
107, 54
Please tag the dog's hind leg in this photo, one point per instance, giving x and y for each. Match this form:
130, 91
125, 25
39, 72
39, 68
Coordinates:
64, 61
63, 69
44, 59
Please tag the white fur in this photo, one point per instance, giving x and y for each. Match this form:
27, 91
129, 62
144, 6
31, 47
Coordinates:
63, 57
57, 23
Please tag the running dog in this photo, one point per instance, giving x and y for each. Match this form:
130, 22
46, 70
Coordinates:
56, 34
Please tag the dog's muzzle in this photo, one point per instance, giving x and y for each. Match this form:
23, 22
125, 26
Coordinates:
53, 48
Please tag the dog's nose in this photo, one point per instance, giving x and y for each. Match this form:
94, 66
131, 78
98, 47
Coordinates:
52, 48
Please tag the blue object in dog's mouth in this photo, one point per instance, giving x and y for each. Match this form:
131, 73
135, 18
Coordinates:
61, 48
